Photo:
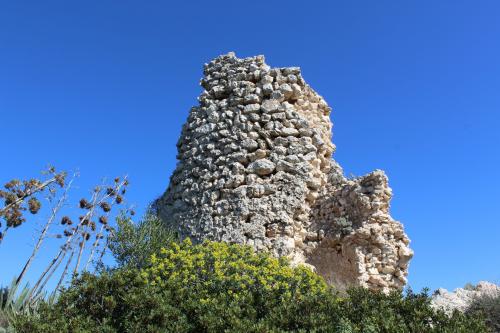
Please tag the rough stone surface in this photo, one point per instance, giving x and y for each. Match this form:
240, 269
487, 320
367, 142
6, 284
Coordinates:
462, 298
255, 167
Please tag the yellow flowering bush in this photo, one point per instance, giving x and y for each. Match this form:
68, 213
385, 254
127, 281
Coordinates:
212, 268
220, 282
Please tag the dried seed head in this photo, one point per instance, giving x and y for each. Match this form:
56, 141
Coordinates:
84, 204
110, 191
60, 179
13, 183
67, 233
117, 180
34, 183
10, 198
132, 212
119, 199
66, 220
14, 218
34, 205
103, 219
105, 207
84, 220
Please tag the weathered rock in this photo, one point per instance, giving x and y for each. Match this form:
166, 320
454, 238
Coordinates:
461, 298
255, 168
261, 167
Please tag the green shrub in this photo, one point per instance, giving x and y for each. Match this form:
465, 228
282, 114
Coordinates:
489, 307
410, 312
216, 287
15, 301
229, 286
133, 244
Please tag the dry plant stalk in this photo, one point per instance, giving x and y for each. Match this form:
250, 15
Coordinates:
20, 196
102, 198
54, 211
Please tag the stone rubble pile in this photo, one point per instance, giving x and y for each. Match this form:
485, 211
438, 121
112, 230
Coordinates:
255, 168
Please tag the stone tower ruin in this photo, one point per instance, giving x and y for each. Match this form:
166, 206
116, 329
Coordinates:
255, 167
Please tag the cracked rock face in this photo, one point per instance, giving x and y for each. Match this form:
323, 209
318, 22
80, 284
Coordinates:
255, 168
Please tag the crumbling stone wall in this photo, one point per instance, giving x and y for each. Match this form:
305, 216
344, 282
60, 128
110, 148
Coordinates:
255, 168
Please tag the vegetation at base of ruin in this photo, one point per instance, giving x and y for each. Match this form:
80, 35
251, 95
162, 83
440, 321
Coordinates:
133, 244
160, 284
218, 287
489, 307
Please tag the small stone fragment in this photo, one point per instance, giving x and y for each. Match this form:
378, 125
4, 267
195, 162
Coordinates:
270, 105
261, 167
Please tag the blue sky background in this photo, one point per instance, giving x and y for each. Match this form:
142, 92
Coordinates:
105, 86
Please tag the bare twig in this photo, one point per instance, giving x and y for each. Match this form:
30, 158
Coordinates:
63, 274
103, 251
70, 238
117, 188
40, 279
77, 236
89, 218
80, 252
94, 246
53, 215
40, 288
64, 248
39, 188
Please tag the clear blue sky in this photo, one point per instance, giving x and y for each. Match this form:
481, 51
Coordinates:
105, 86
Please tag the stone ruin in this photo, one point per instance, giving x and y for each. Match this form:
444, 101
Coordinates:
255, 167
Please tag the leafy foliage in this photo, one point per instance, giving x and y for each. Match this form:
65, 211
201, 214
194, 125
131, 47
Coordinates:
133, 244
489, 306
410, 312
217, 287
15, 302
228, 286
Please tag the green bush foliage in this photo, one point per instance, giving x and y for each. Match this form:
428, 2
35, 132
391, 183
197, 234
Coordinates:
489, 307
217, 287
133, 244
15, 301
